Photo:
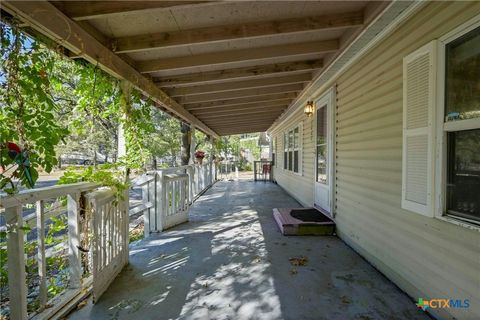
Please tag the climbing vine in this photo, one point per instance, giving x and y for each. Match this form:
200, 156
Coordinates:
27, 117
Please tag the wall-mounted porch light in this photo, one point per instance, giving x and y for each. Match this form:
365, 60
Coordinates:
308, 110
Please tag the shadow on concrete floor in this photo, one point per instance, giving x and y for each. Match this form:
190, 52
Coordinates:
231, 262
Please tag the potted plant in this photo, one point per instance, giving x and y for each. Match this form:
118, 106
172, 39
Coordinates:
199, 155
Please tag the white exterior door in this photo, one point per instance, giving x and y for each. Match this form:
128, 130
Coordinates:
324, 152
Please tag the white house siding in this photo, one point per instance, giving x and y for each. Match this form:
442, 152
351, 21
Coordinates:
300, 185
426, 257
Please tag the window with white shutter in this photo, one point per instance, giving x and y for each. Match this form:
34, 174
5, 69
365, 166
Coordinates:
419, 76
293, 142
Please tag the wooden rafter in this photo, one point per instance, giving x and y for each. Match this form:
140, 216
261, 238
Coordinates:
237, 31
240, 93
232, 109
246, 123
242, 101
240, 73
238, 85
236, 112
83, 10
47, 19
226, 57
243, 130
243, 114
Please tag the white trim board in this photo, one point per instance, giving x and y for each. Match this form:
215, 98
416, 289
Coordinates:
382, 26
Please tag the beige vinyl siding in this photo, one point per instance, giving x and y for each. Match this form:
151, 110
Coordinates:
426, 257
300, 185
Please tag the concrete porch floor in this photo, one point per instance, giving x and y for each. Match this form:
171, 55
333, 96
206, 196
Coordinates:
231, 262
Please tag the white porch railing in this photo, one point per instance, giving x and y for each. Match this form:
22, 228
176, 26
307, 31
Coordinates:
95, 243
104, 222
167, 194
110, 237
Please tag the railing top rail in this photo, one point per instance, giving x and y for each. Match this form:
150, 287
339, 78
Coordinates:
182, 176
143, 179
33, 195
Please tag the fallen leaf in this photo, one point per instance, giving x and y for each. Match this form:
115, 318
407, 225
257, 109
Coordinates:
298, 261
293, 271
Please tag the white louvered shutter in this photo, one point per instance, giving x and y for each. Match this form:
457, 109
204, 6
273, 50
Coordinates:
419, 77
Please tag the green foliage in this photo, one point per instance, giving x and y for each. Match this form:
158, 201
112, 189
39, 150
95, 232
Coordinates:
27, 114
165, 139
107, 175
3, 263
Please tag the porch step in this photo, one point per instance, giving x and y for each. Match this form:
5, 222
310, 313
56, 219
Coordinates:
303, 221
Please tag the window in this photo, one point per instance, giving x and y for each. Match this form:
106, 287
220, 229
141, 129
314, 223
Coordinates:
462, 126
322, 146
274, 150
292, 150
441, 127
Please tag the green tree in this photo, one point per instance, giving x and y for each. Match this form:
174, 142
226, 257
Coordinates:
28, 108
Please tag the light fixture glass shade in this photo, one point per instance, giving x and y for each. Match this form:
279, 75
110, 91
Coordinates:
308, 110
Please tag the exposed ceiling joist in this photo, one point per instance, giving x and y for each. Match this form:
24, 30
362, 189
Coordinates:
242, 107
244, 125
47, 19
243, 55
244, 114
238, 85
83, 10
218, 104
244, 130
240, 93
238, 31
241, 111
240, 73
238, 120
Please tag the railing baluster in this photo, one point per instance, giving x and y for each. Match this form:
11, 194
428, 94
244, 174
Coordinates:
111, 213
16, 263
174, 198
104, 237
125, 220
42, 265
146, 214
74, 240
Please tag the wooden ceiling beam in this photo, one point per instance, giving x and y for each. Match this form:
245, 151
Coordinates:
242, 101
197, 98
238, 31
225, 57
84, 10
264, 120
242, 127
238, 85
243, 130
48, 20
240, 108
243, 114
244, 73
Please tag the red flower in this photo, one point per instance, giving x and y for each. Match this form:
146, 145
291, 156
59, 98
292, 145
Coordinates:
199, 154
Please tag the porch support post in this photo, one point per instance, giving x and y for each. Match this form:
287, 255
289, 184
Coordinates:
74, 240
126, 88
210, 161
186, 143
16, 263
192, 145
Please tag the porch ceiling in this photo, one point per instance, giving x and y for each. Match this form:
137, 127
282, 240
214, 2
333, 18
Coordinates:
227, 67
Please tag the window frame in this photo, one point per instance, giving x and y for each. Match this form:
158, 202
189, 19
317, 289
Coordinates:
443, 127
289, 146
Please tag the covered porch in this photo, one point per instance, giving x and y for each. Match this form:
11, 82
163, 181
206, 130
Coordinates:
236, 67
231, 262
